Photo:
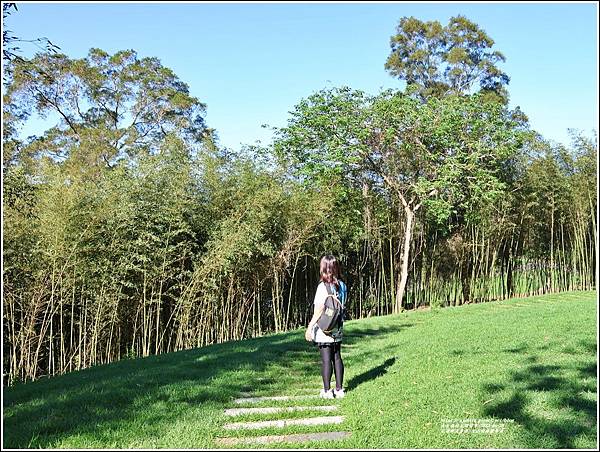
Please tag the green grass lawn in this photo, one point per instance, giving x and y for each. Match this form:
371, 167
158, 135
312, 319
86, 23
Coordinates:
528, 364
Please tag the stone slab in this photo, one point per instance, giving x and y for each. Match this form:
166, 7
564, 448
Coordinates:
301, 390
272, 410
281, 423
294, 438
269, 398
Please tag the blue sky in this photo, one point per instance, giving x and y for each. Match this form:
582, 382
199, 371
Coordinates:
252, 62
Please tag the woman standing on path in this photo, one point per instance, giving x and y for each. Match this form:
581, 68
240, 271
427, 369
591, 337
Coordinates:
329, 344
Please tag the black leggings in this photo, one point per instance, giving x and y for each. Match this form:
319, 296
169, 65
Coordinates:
331, 353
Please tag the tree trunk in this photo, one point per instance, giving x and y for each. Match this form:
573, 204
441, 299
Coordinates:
595, 232
466, 278
367, 209
410, 215
551, 281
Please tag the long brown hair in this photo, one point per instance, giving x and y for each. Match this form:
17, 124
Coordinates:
329, 269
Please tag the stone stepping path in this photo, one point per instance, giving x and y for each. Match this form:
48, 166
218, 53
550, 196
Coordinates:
300, 391
272, 410
269, 398
295, 438
281, 423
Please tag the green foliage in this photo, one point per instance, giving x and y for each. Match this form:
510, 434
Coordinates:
440, 60
109, 106
128, 231
446, 153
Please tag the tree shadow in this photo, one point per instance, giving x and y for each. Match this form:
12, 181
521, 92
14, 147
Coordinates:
105, 398
370, 374
104, 401
567, 414
358, 333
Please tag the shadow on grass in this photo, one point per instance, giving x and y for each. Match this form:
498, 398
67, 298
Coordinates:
359, 333
370, 374
104, 403
568, 415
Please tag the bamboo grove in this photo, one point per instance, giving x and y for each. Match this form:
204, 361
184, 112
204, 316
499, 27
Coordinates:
128, 231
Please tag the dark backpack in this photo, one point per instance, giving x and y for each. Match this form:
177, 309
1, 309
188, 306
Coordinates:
332, 315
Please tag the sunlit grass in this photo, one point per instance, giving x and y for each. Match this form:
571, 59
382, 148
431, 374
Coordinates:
531, 361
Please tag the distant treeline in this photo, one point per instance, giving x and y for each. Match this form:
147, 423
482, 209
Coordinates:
129, 231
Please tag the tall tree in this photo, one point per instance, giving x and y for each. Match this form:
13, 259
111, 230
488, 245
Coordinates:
107, 106
444, 155
437, 60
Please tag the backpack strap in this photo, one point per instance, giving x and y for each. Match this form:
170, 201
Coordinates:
332, 294
328, 287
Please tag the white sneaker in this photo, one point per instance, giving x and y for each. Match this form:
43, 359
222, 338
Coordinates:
339, 394
326, 394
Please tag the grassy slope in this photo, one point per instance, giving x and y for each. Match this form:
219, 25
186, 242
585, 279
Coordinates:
532, 360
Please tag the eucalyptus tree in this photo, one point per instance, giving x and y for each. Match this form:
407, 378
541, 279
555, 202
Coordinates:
437, 60
444, 155
103, 107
